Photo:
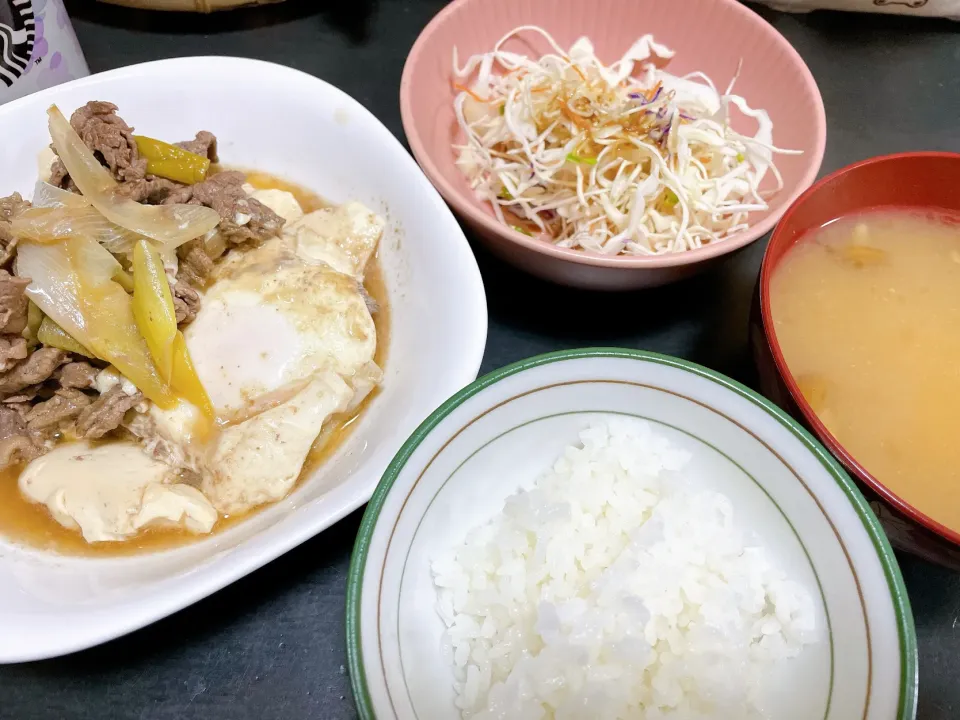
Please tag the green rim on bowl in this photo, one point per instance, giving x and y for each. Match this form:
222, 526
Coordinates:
898, 591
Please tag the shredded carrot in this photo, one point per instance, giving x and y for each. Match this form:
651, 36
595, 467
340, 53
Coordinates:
578, 120
652, 92
577, 71
471, 93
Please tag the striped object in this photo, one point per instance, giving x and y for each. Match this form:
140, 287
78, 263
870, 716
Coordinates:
17, 35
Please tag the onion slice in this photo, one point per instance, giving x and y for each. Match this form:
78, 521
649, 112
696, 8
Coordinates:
53, 224
170, 225
72, 282
46, 195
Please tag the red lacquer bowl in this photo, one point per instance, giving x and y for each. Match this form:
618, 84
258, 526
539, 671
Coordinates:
924, 181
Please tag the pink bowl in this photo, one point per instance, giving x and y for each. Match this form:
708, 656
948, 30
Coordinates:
708, 35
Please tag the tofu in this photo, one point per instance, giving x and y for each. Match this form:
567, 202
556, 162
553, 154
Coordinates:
45, 160
344, 237
283, 203
259, 460
111, 492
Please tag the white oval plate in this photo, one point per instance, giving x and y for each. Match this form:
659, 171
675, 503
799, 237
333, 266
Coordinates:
505, 429
285, 122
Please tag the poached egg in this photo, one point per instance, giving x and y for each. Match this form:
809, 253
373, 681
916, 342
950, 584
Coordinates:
283, 341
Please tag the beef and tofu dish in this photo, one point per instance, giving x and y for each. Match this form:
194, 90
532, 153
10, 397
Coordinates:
176, 340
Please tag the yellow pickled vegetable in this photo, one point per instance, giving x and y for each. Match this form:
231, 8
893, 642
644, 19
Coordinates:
124, 279
185, 171
114, 335
72, 282
34, 318
185, 380
171, 162
53, 335
157, 321
153, 306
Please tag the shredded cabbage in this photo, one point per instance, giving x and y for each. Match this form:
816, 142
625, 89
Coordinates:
614, 159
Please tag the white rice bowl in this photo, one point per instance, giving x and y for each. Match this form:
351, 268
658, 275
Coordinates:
613, 589
703, 558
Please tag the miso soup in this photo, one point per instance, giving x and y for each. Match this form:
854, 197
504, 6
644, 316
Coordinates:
867, 313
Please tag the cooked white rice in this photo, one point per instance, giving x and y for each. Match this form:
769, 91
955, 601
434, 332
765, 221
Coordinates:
612, 589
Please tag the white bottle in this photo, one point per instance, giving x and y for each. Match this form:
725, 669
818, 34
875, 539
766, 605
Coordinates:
38, 48
930, 8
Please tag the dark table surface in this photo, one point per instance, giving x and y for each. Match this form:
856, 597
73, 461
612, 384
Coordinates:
272, 645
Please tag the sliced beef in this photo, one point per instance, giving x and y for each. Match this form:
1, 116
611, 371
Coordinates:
105, 132
150, 190
17, 450
35, 369
186, 302
111, 140
59, 177
40, 402
80, 375
23, 398
22, 408
13, 303
11, 422
241, 217
106, 413
180, 195
13, 349
10, 207
195, 264
66, 404
16, 444
205, 144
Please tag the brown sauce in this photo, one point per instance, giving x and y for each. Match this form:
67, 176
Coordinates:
308, 200
31, 525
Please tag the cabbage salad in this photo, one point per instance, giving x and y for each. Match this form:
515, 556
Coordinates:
619, 159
